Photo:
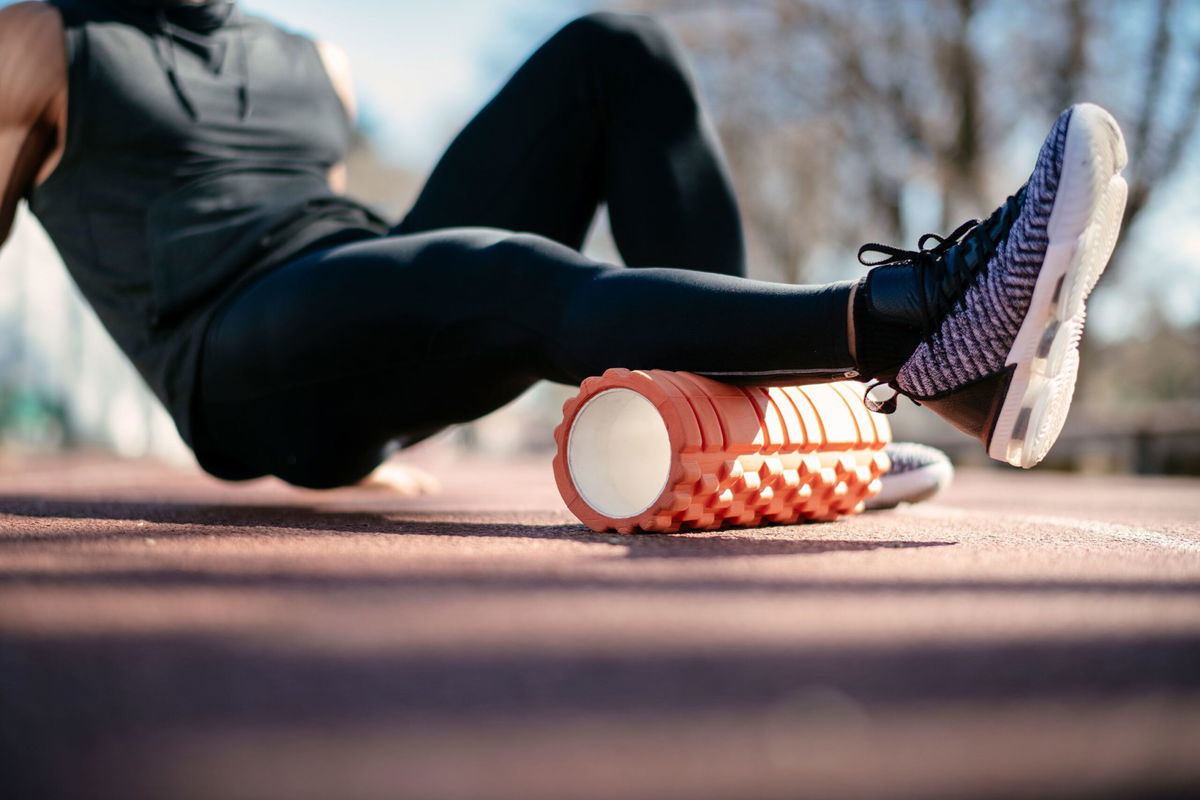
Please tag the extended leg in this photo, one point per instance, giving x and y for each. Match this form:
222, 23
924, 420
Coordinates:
311, 371
604, 111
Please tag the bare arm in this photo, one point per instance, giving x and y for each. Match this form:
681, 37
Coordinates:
337, 65
33, 82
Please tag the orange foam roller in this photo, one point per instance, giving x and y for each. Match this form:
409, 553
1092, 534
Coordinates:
653, 450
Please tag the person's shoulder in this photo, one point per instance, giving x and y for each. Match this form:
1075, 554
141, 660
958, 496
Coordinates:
29, 27
31, 48
28, 18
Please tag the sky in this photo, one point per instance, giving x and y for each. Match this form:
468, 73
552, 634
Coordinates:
422, 68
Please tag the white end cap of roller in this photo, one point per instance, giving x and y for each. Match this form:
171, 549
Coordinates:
619, 453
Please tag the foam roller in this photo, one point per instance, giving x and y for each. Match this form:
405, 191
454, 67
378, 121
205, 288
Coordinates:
652, 450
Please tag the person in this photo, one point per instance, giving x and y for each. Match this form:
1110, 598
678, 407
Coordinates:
186, 160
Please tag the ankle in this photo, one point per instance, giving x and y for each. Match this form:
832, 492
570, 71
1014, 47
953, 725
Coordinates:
851, 336
879, 345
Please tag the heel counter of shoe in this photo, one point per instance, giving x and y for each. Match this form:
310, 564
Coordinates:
975, 407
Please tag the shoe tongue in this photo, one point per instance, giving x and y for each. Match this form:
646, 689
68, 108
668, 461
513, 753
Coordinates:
884, 341
895, 295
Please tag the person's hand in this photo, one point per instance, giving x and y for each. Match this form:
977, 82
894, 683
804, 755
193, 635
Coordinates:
401, 479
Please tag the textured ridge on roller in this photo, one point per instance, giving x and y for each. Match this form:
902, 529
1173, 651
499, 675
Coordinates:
742, 455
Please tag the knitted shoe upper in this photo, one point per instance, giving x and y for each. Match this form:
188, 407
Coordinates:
974, 338
912, 456
918, 472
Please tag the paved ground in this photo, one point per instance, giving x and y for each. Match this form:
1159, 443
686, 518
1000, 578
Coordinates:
163, 635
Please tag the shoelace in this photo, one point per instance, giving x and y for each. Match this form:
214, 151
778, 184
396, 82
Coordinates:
944, 271
884, 406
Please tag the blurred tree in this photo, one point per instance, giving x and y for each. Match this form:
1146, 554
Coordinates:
850, 120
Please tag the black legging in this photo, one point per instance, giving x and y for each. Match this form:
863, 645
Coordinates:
312, 371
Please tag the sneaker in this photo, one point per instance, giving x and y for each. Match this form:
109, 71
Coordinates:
918, 472
1000, 304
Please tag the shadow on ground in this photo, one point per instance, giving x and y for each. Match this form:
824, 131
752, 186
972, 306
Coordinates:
315, 521
66, 695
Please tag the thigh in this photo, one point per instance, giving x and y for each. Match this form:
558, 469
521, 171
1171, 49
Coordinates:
311, 371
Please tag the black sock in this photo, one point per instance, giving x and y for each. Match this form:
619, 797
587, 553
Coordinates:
881, 347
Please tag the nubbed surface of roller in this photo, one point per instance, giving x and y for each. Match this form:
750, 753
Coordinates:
660, 451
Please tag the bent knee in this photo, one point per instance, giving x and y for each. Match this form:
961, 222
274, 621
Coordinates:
603, 24
639, 37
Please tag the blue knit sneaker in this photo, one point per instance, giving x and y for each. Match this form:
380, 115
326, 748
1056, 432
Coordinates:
918, 472
1000, 304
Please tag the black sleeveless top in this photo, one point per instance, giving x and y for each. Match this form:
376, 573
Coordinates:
197, 146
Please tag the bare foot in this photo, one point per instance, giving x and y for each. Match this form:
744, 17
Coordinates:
401, 479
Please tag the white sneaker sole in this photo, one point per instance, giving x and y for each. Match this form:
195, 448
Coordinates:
1083, 228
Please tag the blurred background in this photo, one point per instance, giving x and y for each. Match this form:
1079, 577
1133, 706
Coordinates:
844, 122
